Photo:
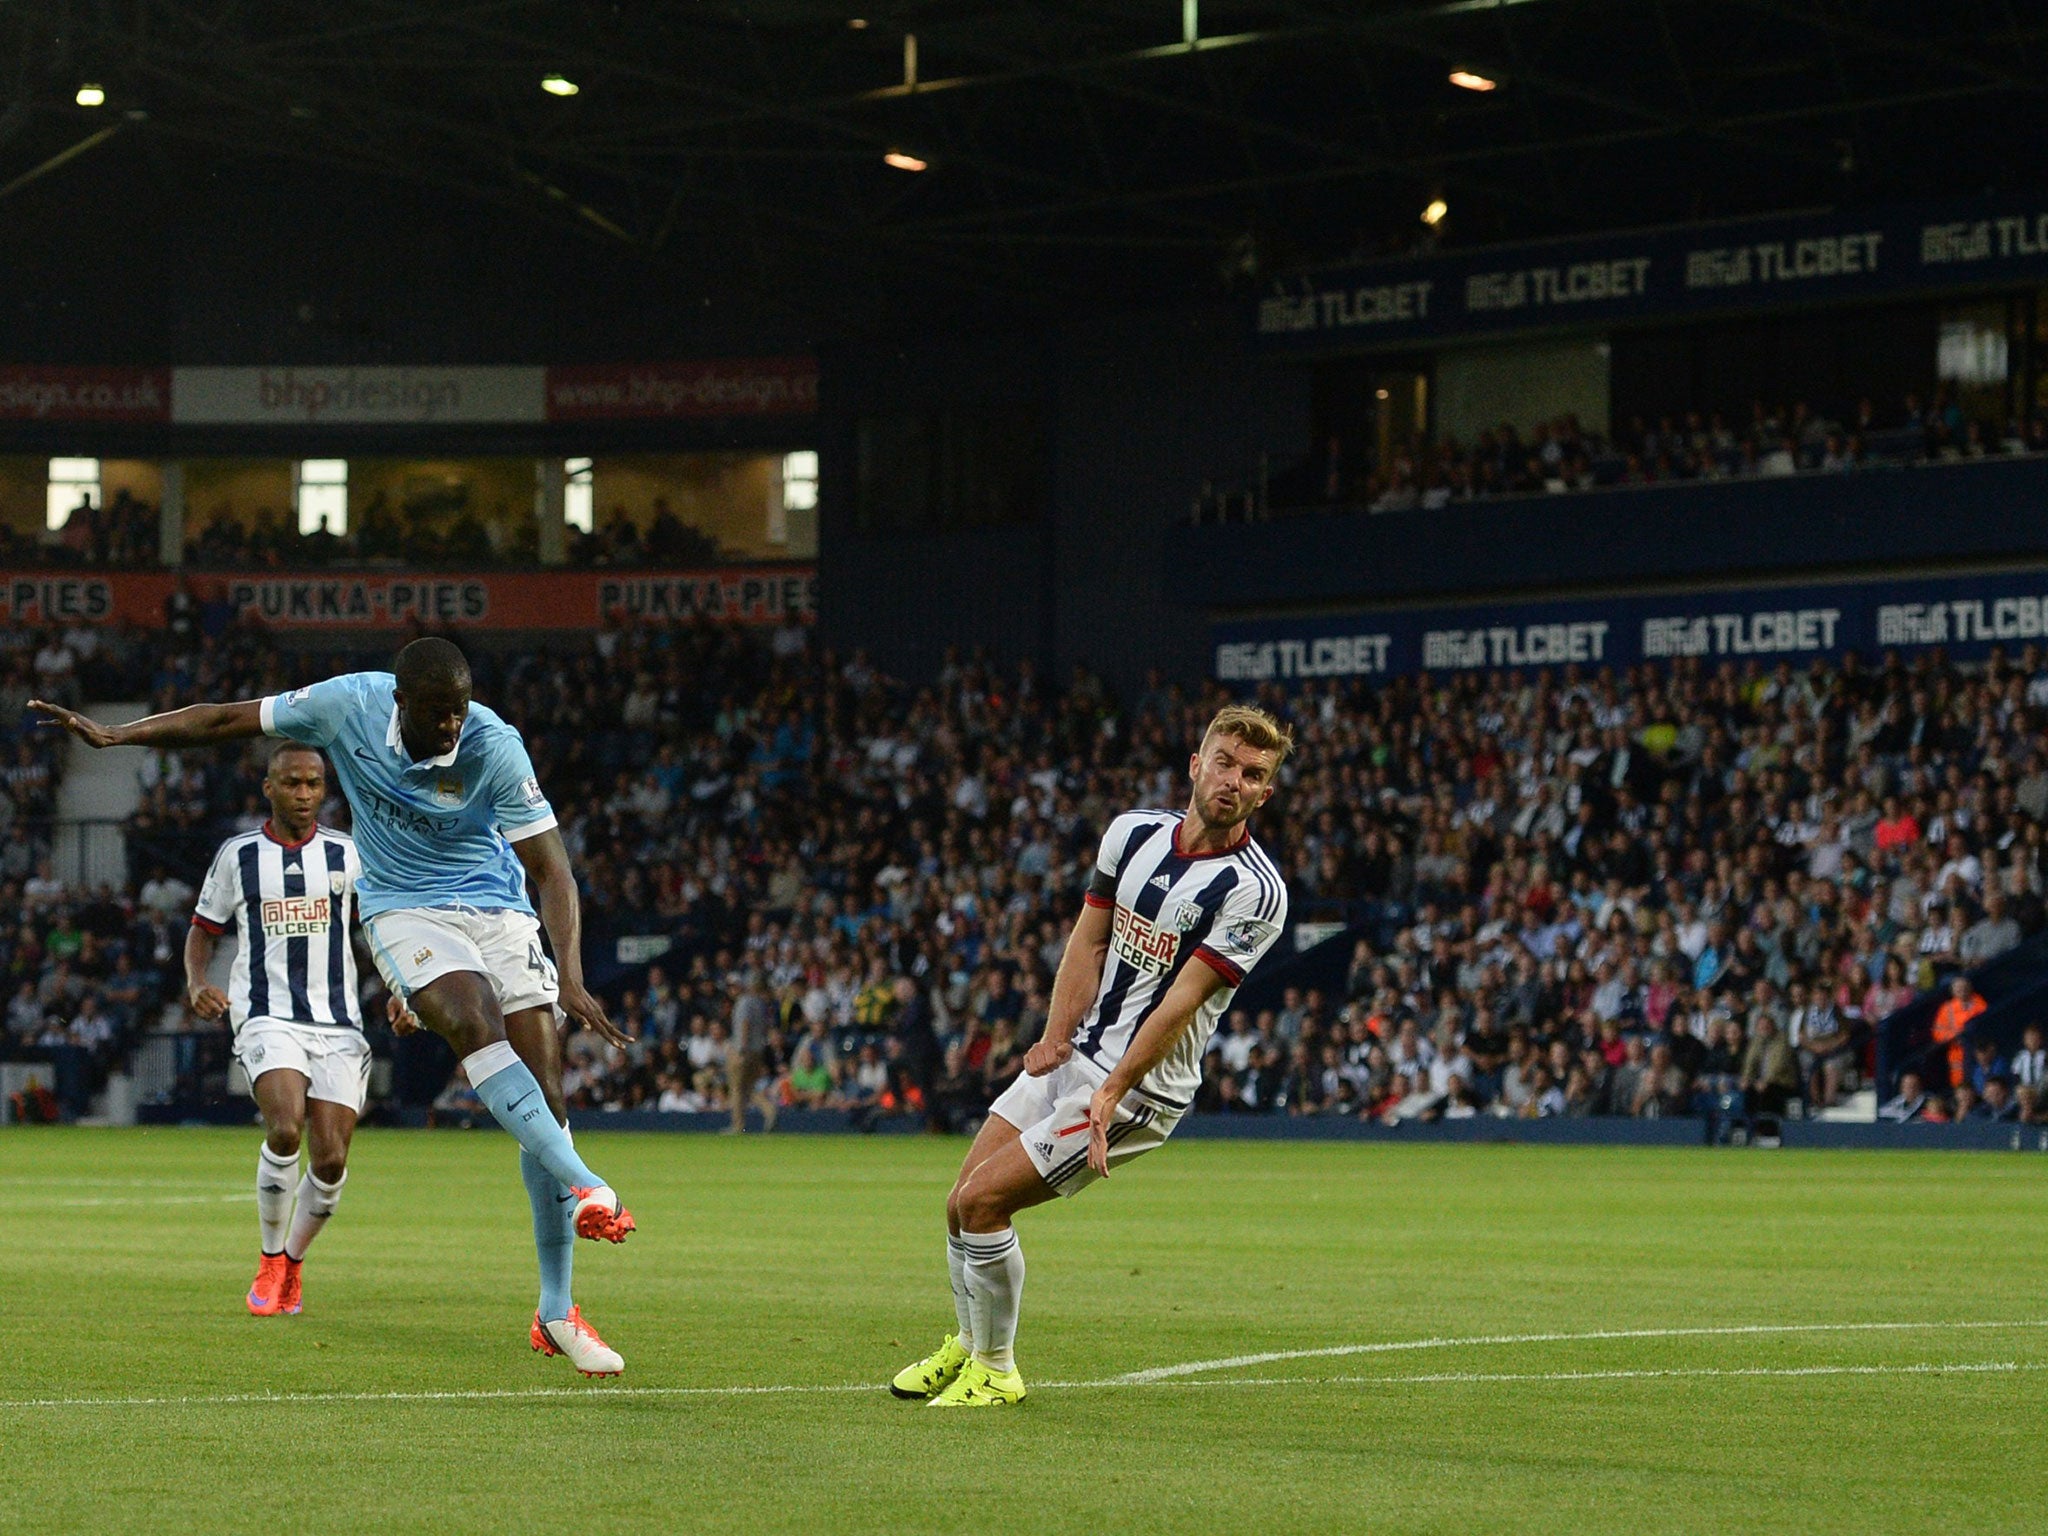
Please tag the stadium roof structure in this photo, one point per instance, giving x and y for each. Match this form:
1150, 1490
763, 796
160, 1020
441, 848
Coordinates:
1076, 153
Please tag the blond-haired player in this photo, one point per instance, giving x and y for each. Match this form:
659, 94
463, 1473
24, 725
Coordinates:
1182, 904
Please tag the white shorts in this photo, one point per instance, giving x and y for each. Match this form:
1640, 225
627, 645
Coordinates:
334, 1062
1052, 1113
416, 945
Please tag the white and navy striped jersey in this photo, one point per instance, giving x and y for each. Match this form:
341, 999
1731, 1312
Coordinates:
1168, 908
291, 902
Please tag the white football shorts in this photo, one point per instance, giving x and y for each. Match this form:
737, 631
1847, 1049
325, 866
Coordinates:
1051, 1112
334, 1062
415, 945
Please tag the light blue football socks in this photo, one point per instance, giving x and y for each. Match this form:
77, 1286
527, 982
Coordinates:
554, 1235
513, 1097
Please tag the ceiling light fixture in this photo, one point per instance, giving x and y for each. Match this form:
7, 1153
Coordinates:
903, 162
91, 96
1434, 214
1469, 80
556, 85
857, 23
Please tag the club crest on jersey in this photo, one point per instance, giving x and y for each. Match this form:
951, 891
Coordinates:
448, 792
1141, 943
422, 955
1186, 914
337, 881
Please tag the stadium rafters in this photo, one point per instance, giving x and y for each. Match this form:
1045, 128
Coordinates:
1079, 152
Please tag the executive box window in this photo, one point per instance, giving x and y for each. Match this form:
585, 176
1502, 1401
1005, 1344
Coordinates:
73, 483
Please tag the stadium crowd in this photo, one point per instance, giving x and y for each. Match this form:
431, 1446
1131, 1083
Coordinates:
123, 534
1611, 894
1564, 455
82, 971
1581, 894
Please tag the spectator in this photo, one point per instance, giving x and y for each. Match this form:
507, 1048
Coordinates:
1910, 1103
746, 1054
1663, 1089
1770, 1072
1992, 934
1952, 1019
2030, 1061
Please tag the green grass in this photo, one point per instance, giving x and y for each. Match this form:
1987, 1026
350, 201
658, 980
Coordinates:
811, 1261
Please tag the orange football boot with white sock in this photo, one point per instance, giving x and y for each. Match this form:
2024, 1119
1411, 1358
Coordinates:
266, 1291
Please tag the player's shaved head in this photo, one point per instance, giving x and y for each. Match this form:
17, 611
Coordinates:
287, 748
432, 665
433, 696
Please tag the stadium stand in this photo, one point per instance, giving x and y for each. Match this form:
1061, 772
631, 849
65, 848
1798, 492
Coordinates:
1679, 891
1561, 456
123, 535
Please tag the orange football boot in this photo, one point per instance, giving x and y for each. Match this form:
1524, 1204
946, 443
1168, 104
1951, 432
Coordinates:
288, 1294
575, 1338
266, 1291
602, 1214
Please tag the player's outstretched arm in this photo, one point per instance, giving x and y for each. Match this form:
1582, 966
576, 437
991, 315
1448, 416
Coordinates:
1073, 989
1155, 1038
547, 866
196, 725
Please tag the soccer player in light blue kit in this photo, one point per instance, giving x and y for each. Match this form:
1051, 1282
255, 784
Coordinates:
451, 823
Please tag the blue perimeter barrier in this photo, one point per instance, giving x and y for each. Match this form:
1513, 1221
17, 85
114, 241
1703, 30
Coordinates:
1970, 1136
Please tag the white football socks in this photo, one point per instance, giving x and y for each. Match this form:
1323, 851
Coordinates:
963, 1308
316, 1203
995, 1283
275, 1177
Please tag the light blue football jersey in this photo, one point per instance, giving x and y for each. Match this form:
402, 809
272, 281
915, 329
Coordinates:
431, 833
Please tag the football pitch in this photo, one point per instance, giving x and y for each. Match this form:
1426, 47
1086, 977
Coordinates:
1230, 1336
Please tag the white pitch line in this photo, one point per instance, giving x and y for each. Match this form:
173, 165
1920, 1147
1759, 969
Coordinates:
1399, 1346
39, 1181
1167, 1376
1107, 1383
8, 1203
1961, 1368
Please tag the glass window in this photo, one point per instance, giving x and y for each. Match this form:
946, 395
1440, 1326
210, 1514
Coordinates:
320, 489
799, 477
799, 481
579, 493
1971, 352
1973, 361
72, 482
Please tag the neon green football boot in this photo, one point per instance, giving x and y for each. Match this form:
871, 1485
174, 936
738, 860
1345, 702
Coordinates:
979, 1387
934, 1373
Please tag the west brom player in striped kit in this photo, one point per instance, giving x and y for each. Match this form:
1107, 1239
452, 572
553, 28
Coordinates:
1181, 906
452, 824
289, 888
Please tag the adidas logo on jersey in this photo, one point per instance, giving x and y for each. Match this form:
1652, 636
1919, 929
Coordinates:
1044, 1148
1161, 883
